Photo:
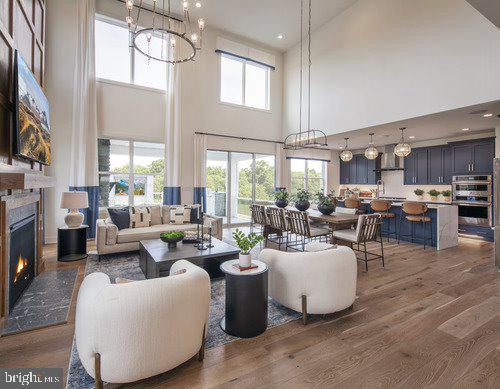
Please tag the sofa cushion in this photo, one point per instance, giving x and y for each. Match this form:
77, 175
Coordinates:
140, 217
111, 231
180, 214
155, 211
165, 214
143, 233
120, 217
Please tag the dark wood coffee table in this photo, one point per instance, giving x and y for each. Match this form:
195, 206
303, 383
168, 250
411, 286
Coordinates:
156, 258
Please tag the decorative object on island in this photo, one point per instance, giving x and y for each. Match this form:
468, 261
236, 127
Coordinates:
309, 138
172, 238
402, 149
371, 152
301, 200
281, 197
170, 39
326, 203
74, 201
434, 194
246, 243
419, 193
446, 195
346, 154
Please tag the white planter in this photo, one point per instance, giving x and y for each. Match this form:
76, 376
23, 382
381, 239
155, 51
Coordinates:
245, 260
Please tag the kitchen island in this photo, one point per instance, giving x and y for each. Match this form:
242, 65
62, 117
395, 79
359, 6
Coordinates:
444, 223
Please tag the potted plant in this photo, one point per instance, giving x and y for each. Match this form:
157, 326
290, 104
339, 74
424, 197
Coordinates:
434, 194
446, 195
281, 197
419, 193
246, 243
301, 200
172, 238
326, 203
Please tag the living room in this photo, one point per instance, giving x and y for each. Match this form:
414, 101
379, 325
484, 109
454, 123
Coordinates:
221, 193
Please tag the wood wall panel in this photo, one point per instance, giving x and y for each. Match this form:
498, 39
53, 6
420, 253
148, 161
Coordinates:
39, 20
5, 69
4, 12
23, 36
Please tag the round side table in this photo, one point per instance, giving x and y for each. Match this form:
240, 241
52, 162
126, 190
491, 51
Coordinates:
246, 300
72, 243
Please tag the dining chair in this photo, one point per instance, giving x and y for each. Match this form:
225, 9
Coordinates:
277, 225
367, 230
258, 216
414, 213
382, 207
298, 225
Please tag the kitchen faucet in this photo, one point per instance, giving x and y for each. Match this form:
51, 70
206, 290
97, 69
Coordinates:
380, 182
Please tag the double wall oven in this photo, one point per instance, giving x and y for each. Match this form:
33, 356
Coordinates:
472, 195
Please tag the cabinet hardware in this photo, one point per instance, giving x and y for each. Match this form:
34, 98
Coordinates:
472, 166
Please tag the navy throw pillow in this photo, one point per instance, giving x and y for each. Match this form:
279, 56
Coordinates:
120, 217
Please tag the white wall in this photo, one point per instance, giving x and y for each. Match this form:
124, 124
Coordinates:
388, 60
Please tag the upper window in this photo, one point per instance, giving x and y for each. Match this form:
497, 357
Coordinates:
115, 60
244, 82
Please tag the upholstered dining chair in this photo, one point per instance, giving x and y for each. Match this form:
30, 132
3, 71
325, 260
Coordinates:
367, 230
298, 225
414, 212
277, 226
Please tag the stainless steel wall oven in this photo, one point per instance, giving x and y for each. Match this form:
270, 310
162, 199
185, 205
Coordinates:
472, 195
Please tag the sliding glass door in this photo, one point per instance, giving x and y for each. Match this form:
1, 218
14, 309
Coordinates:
236, 180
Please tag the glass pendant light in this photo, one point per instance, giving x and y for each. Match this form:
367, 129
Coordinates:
346, 155
402, 149
371, 152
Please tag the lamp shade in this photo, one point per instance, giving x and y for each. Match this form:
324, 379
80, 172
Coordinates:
74, 200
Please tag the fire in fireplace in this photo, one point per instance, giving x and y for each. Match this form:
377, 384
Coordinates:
22, 258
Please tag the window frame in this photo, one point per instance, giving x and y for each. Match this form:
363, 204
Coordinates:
305, 178
119, 23
243, 81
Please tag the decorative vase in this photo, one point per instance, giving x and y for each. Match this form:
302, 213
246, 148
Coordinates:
302, 205
281, 203
74, 218
245, 260
326, 209
447, 199
434, 198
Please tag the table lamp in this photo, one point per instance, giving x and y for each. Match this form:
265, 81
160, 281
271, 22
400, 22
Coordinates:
74, 201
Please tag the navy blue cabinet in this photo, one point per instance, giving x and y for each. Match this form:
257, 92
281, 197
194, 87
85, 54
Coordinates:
373, 175
416, 167
439, 165
360, 170
473, 157
482, 158
447, 165
462, 155
353, 171
344, 172
409, 173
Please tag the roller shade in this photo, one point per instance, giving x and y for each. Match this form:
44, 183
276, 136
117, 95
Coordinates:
239, 50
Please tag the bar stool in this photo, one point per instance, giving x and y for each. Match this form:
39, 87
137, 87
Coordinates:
383, 207
353, 203
415, 213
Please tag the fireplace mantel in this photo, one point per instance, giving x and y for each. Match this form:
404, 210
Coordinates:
18, 178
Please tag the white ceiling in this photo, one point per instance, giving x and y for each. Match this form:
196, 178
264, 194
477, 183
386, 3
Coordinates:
443, 125
262, 20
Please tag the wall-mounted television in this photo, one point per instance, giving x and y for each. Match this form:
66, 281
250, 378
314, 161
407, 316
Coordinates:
31, 116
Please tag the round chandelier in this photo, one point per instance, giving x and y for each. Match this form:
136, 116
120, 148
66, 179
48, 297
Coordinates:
402, 149
371, 152
169, 38
346, 155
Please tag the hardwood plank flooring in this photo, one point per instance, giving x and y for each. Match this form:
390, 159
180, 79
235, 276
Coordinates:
428, 319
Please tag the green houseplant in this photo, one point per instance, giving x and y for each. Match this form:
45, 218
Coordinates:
326, 203
301, 200
434, 194
172, 238
246, 243
419, 193
446, 195
281, 197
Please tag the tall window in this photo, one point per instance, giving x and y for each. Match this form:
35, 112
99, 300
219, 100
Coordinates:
116, 61
244, 82
130, 173
308, 174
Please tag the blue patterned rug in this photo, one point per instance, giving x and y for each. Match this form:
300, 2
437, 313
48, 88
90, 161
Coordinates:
127, 266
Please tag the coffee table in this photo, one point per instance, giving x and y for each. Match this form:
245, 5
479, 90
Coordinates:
156, 258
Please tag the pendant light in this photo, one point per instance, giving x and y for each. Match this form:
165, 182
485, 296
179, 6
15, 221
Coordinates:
402, 149
371, 152
346, 155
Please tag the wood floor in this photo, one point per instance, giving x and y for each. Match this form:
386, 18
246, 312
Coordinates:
429, 319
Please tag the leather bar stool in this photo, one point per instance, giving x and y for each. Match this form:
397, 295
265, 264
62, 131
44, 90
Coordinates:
382, 207
415, 213
353, 203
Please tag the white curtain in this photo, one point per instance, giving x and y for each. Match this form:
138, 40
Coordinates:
83, 132
200, 170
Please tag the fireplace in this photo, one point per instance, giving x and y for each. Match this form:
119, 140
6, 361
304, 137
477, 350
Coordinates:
22, 257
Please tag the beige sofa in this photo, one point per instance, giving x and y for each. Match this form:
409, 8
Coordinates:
110, 240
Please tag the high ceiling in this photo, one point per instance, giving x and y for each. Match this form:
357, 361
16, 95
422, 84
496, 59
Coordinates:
442, 125
262, 20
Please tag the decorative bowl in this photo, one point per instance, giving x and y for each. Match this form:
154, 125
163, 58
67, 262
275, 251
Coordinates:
172, 240
302, 205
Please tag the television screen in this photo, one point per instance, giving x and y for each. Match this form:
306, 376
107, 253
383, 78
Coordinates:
32, 127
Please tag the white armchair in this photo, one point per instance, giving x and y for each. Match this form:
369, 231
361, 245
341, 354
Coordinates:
318, 282
131, 331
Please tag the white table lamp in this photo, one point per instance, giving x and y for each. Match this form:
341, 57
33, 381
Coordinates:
74, 201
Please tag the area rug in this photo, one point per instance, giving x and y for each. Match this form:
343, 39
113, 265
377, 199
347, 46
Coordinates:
127, 266
44, 303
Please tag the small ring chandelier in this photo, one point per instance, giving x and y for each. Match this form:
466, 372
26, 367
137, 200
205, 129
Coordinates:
171, 40
309, 138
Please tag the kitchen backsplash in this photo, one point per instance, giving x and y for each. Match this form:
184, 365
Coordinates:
394, 187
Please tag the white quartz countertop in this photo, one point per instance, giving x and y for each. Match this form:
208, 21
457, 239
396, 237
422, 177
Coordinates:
399, 203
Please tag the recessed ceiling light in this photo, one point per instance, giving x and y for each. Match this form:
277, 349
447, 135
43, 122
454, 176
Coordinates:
280, 36
412, 137
197, 4
465, 129
488, 115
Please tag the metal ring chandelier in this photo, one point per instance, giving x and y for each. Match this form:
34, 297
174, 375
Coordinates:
171, 40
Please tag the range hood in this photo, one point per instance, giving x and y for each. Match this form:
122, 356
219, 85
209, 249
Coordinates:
390, 161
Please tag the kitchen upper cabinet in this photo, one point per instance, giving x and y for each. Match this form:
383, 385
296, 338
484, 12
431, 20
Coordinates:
409, 172
473, 157
416, 167
439, 165
344, 172
372, 173
361, 172
462, 156
447, 165
353, 171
